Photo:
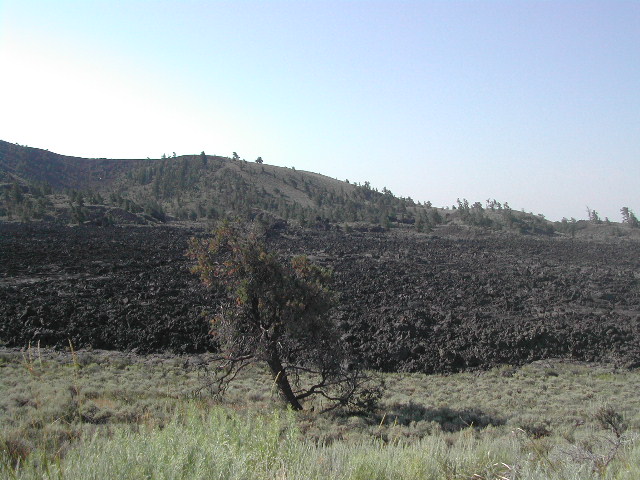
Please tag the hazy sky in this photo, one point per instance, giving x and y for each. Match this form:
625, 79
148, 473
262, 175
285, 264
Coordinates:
533, 103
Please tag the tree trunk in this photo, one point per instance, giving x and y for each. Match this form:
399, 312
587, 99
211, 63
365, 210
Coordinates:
281, 380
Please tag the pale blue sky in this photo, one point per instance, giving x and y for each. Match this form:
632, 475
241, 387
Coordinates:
533, 103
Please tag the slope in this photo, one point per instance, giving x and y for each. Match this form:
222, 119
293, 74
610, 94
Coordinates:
26, 165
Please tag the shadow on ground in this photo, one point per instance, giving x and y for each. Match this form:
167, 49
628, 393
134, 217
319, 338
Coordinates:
450, 420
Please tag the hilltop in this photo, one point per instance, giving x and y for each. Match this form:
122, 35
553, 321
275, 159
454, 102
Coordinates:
188, 187
27, 165
37, 184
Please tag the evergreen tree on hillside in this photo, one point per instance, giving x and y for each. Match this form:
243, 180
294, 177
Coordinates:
629, 217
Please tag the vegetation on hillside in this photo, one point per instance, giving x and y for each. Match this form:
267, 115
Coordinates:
205, 187
36, 184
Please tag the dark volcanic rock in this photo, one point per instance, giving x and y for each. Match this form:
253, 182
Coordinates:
429, 304
405, 302
115, 288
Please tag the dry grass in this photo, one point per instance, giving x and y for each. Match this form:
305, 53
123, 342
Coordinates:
543, 415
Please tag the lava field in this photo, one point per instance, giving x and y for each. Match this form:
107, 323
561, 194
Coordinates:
405, 302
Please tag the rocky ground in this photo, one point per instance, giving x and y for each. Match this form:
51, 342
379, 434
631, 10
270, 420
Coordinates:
113, 288
430, 303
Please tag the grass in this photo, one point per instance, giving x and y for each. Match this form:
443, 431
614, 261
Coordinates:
99, 415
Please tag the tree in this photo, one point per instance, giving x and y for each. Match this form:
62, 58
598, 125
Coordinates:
259, 160
276, 313
629, 217
593, 216
16, 193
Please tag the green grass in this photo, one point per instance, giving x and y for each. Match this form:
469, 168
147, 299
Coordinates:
98, 415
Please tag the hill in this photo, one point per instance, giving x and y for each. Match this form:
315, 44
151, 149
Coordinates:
37, 184
195, 187
27, 165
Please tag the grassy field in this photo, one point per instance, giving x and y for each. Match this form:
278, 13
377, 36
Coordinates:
113, 415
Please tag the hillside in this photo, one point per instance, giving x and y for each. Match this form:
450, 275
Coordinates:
189, 187
27, 165
205, 187
37, 184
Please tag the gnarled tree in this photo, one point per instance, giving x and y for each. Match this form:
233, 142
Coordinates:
276, 312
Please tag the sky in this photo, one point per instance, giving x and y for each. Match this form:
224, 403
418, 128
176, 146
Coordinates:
534, 103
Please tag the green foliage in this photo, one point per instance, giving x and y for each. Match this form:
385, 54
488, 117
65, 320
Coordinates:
629, 217
474, 214
25, 202
609, 418
155, 210
202, 187
569, 226
125, 203
228, 189
276, 313
593, 216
